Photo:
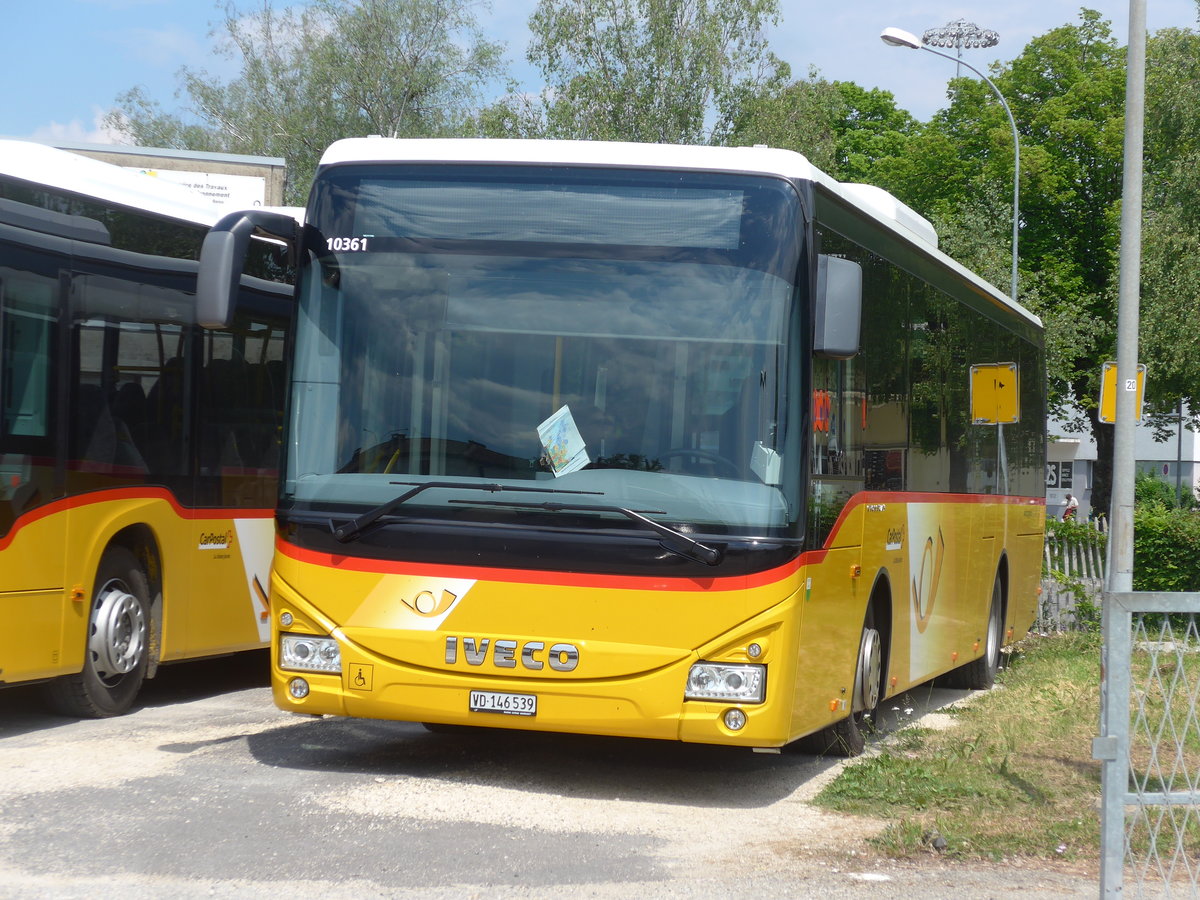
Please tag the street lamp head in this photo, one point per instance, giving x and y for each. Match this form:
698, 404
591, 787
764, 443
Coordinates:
961, 34
898, 37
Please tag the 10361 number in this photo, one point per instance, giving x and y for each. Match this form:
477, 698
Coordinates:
347, 244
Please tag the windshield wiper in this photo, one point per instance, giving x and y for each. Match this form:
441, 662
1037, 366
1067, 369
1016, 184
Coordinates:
670, 538
353, 528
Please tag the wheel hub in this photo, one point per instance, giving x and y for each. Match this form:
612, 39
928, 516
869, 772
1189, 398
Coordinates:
118, 631
870, 666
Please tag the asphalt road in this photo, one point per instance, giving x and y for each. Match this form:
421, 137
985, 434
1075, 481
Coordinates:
207, 790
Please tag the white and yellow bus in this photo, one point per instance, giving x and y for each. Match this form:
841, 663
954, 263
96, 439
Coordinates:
621, 439
138, 452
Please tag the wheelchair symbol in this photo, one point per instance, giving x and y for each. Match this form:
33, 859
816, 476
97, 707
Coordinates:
360, 677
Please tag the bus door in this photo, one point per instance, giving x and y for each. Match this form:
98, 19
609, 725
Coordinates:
32, 547
238, 433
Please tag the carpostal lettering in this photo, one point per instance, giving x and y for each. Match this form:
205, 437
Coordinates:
505, 654
216, 540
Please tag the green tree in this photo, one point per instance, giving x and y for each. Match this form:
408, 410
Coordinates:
646, 70
329, 69
870, 131
848, 131
791, 115
1067, 92
1170, 299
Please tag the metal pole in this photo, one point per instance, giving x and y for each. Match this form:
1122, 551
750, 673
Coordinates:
1121, 511
1114, 685
1179, 454
1016, 216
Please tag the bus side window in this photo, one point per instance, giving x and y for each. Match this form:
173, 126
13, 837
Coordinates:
28, 314
238, 420
837, 426
26, 376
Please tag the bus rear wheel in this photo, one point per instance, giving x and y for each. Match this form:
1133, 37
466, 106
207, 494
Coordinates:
118, 643
980, 674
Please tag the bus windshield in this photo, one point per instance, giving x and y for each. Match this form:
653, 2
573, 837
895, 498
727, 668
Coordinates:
620, 337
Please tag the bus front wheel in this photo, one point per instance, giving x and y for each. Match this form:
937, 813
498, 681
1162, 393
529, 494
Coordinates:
847, 737
118, 642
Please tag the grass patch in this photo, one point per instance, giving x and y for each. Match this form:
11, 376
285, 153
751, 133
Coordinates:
1013, 777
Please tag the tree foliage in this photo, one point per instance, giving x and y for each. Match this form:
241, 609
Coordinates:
1171, 220
1067, 93
647, 70
794, 115
330, 69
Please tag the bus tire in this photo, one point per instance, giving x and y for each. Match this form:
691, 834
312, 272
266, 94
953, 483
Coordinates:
980, 674
848, 736
118, 642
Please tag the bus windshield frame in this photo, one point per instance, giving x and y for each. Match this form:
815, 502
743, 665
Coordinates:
631, 338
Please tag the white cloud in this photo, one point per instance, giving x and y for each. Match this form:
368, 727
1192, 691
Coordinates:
77, 132
168, 47
121, 5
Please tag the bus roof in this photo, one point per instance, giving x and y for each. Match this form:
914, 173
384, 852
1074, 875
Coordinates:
756, 160
873, 201
77, 174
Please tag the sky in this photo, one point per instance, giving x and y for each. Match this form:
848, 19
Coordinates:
66, 61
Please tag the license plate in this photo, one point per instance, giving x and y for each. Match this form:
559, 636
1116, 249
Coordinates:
505, 704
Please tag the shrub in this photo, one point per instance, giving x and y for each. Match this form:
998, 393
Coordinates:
1150, 489
1166, 549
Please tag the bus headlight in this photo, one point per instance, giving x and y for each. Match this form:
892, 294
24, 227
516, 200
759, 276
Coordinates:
718, 681
305, 653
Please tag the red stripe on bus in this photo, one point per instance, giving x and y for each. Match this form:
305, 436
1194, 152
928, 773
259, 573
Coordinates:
534, 576
868, 498
630, 582
79, 501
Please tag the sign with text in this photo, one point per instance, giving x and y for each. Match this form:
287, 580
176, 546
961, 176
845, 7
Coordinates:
1060, 474
224, 191
1108, 392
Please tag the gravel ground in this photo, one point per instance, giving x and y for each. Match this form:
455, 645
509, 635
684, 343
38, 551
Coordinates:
208, 791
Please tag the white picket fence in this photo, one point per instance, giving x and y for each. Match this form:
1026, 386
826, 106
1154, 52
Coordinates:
1072, 581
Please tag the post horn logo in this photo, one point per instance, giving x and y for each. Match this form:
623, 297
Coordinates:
426, 603
925, 582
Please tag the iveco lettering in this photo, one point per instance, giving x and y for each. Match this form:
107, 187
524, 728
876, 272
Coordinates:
533, 655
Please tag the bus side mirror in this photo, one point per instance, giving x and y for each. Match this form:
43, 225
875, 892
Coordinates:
838, 307
223, 256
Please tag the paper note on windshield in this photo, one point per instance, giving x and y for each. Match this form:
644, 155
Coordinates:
565, 450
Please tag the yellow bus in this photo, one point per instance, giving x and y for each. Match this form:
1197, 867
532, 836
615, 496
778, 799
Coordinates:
654, 441
138, 452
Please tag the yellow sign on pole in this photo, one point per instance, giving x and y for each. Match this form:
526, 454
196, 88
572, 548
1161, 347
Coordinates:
995, 394
1108, 392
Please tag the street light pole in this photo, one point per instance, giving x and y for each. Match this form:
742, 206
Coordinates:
896, 37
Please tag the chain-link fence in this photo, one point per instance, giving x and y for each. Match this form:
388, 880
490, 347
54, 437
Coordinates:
1149, 746
1149, 740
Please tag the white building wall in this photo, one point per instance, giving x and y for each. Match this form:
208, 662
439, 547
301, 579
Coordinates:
1174, 460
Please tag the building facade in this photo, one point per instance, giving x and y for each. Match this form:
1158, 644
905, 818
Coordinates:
1173, 458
